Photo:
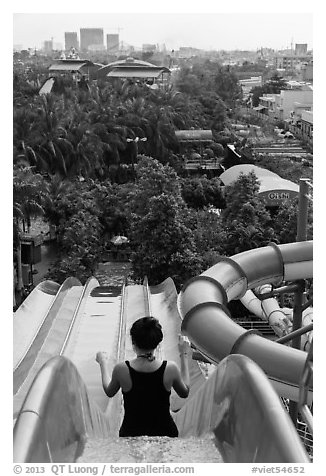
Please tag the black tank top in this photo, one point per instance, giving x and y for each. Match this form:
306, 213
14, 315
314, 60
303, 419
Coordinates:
147, 405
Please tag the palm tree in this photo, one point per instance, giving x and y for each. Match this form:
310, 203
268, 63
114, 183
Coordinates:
53, 145
29, 198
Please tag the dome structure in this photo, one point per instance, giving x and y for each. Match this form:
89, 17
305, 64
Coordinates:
129, 63
273, 189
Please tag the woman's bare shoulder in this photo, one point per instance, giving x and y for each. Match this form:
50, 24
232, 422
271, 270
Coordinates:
172, 367
120, 368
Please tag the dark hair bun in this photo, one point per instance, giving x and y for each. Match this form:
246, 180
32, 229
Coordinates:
146, 333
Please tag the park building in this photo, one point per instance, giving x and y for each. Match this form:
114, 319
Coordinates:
273, 189
136, 71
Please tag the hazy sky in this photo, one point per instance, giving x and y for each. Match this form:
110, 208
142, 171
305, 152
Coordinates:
202, 29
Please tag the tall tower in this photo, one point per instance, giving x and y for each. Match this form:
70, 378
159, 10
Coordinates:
71, 40
91, 37
112, 43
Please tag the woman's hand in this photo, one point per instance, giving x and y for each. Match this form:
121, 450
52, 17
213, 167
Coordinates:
102, 357
184, 346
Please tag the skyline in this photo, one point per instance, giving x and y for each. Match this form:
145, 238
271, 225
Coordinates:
208, 31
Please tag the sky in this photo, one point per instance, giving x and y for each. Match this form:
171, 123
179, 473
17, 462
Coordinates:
246, 28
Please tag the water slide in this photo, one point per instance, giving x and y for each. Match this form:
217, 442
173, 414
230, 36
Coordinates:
279, 318
66, 406
39, 329
206, 319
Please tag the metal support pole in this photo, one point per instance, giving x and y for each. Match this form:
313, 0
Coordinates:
292, 335
303, 210
290, 288
298, 296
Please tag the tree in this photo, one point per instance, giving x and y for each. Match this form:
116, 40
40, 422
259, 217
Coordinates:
80, 247
163, 245
273, 86
285, 222
200, 192
246, 223
30, 195
162, 241
153, 179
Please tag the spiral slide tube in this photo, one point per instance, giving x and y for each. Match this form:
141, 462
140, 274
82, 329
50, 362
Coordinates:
206, 319
280, 319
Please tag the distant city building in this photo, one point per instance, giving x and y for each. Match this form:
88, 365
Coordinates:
282, 106
188, 52
307, 124
307, 71
148, 48
57, 46
301, 49
292, 61
91, 37
71, 40
112, 43
248, 84
48, 46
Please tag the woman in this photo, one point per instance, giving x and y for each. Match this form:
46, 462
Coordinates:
146, 382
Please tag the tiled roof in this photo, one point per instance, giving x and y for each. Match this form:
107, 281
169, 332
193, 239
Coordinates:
135, 73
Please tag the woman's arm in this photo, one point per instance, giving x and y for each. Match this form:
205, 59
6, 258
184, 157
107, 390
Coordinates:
110, 385
181, 381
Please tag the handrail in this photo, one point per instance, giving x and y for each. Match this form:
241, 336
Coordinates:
296, 333
122, 322
114, 406
73, 320
148, 310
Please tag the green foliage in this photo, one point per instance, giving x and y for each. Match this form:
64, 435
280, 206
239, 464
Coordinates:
91, 183
162, 241
286, 220
246, 222
209, 77
30, 196
200, 192
285, 168
80, 247
207, 231
153, 179
163, 244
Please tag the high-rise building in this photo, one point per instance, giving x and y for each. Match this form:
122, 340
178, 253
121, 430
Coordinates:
48, 46
91, 37
71, 40
112, 42
301, 49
